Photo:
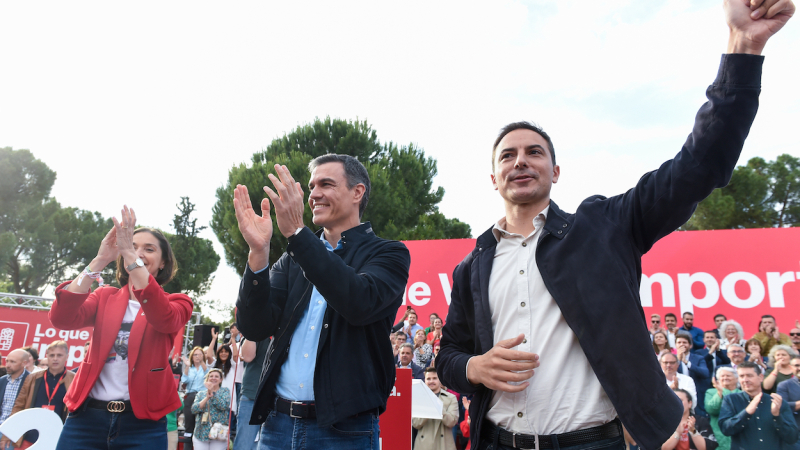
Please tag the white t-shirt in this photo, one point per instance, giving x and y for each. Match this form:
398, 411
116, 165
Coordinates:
113, 381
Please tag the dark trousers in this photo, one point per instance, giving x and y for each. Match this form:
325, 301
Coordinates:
188, 417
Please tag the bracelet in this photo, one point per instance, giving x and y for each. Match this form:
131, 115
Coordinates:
87, 272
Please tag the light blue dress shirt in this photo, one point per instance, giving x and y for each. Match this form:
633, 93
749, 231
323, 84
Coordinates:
194, 379
296, 380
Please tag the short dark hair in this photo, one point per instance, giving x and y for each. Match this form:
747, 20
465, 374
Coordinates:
687, 312
714, 332
431, 370
670, 315
34, 354
749, 365
686, 336
164, 275
524, 125
686, 393
720, 315
354, 172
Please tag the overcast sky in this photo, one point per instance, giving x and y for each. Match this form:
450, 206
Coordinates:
142, 103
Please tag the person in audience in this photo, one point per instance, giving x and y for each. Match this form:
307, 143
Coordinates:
661, 343
172, 428
694, 332
789, 390
436, 348
211, 406
693, 432
33, 362
794, 336
399, 339
437, 434
669, 365
436, 331
45, 389
224, 361
712, 354
719, 319
124, 388
780, 360
736, 354
400, 326
429, 328
423, 352
755, 353
405, 361
655, 324
693, 365
412, 327
754, 419
725, 384
671, 322
732, 333
252, 354
193, 377
11, 383
768, 334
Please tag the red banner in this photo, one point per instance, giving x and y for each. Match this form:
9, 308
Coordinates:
395, 423
20, 327
742, 274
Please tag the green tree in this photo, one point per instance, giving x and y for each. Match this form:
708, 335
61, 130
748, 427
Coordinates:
402, 204
41, 242
760, 194
196, 257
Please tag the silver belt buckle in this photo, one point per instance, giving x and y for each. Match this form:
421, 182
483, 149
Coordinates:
291, 409
535, 441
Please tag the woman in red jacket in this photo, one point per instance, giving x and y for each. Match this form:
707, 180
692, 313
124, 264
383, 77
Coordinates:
124, 387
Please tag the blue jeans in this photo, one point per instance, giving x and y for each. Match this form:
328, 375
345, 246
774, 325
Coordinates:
617, 443
89, 428
280, 432
245, 433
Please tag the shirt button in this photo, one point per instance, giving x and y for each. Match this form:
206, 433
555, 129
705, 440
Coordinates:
524, 341
301, 384
325, 326
524, 244
255, 282
305, 356
519, 414
521, 272
522, 304
312, 327
319, 302
144, 301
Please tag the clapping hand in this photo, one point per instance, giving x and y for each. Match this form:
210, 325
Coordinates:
288, 200
775, 407
108, 250
256, 230
751, 408
124, 233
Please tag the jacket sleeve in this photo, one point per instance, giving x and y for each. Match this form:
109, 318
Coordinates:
450, 416
699, 368
713, 401
262, 297
783, 391
785, 425
71, 311
418, 423
730, 421
379, 282
458, 335
25, 392
665, 199
167, 313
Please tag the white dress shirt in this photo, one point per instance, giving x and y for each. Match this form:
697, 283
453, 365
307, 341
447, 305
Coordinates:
564, 393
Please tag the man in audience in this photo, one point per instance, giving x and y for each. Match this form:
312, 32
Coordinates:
754, 420
655, 325
669, 364
11, 383
693, 365
736, 354
252, 354
404, 361
399, 339
696, 333
32, 364
794, 336
437, 434
768, 334
712, 354
46, 388
789, 390
718, 319
412, 327
671, 322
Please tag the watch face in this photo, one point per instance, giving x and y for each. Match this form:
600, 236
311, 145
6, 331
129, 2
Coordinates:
139, 262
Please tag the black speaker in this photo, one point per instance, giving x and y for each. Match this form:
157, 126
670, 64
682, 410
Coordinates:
202, 335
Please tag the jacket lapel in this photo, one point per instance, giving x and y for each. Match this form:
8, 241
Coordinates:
135, 338
484, 254
112, 321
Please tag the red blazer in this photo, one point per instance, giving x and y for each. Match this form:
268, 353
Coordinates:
161, 317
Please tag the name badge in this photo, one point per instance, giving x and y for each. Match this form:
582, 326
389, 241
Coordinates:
50, 407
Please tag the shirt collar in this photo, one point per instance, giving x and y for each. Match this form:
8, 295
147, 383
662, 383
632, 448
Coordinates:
499, 229
328, 244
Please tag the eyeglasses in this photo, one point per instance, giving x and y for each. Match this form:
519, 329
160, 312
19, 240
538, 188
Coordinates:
667, 363
658, 321
735, 351
794, 334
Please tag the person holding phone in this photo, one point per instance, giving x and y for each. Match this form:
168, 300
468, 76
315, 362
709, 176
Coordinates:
768, 334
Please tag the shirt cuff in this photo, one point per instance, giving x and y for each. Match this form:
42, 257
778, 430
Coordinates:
257, 271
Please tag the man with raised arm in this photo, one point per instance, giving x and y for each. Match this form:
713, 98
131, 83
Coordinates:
334, 296
554, 292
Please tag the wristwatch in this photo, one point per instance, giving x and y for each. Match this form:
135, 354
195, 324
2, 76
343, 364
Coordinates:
136, 264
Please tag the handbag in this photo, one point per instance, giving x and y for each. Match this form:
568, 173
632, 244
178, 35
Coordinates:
218, 431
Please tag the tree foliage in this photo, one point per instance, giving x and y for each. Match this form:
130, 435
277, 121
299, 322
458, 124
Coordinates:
760, 194
41, 242
196, 257
402, 204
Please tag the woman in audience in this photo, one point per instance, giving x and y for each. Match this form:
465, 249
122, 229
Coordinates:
423, 352
724, 384
225, 362
124, 388
779, 359
756, 353
661, 343
731, 332
693, 432
436, 333
210, 407
194, 374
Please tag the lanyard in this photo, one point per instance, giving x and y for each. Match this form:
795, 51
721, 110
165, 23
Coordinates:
47, 387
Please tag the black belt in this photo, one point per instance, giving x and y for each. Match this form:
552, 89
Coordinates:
606, 431
298, 410
114, 406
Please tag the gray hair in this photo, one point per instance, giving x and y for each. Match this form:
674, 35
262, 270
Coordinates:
789, 350
736, 325
354, 172
736, 345
665, 353
409, 345
726, 369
